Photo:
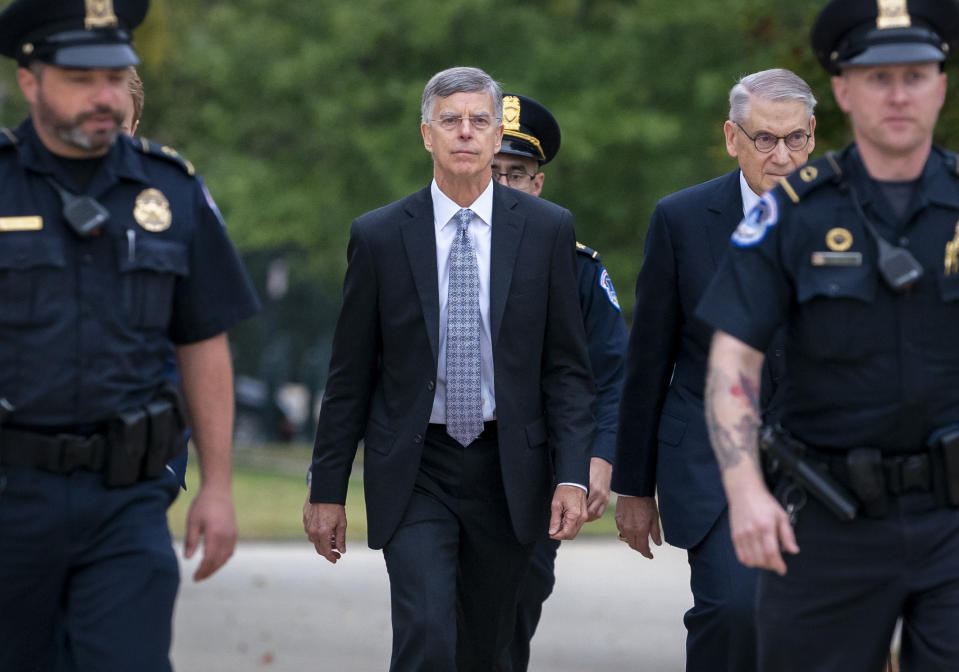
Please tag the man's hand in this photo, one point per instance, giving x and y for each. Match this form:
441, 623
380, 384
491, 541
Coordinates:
325, 526
600, 474
637, 519
759, 526
211, 517
568, 512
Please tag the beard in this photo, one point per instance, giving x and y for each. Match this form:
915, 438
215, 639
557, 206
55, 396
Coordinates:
69, 130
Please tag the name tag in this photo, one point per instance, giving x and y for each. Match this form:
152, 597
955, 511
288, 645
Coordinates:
837, 258
30, 223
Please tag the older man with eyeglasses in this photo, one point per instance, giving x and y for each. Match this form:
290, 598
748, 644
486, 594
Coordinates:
663, 447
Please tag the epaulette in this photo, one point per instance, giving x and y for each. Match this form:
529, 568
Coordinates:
7, 138
163, 151
811, 176
588, 251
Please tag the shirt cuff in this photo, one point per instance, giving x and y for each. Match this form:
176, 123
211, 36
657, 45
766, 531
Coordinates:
576, 485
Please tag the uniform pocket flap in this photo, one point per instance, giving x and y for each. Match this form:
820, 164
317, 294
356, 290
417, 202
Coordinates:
21, 253
139, 253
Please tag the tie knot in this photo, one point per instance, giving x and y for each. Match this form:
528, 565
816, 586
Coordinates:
463, 219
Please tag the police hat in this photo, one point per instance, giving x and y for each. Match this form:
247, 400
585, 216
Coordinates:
883, 32
528, 129
71, 33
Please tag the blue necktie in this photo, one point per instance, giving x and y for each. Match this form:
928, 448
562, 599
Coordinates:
464, 410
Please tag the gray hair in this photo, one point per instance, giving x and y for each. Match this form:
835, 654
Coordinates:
460, 80
777, 85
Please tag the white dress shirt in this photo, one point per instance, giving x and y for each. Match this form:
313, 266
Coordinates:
750, 197
481, 235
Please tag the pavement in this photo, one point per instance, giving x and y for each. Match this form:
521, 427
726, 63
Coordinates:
281, 607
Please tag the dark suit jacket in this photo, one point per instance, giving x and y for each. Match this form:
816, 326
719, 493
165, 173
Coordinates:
662, 441
383, 367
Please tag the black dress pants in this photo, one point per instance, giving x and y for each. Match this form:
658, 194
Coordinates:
454, 562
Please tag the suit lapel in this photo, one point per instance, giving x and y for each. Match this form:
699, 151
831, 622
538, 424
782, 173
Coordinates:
726, 212
506, 234
419, 239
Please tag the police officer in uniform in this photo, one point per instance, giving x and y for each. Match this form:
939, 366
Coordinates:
857, 254
110, 250
531, 138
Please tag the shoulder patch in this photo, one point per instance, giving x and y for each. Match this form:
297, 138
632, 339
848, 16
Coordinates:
7, 138
589, 252
760, 219
163, 151
811, 176
607, 284
950, 159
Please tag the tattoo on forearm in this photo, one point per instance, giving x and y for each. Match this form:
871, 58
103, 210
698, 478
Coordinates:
732, 442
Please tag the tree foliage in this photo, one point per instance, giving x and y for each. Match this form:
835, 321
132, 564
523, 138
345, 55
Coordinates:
303, 115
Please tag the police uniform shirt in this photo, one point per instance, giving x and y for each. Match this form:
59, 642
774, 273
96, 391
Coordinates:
606, 336
86, 323
867, 366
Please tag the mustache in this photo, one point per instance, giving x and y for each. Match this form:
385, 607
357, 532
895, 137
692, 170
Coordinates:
117, 115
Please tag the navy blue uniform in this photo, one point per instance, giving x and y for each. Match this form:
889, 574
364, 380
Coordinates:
867, 367
606, 336
85, 330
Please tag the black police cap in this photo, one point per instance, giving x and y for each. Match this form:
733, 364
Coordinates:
883, 32
528, 129
71, 33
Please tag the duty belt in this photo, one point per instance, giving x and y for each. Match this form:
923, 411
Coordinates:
58, 454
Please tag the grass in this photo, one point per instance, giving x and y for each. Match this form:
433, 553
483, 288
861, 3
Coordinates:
269, 488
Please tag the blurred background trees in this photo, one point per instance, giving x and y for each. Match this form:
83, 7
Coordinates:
303, 115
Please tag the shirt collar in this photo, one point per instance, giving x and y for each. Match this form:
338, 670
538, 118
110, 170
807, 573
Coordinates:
444, 208
750, 198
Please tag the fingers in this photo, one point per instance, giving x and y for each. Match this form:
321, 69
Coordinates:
325, 527
568, 512
596, 505
217, 549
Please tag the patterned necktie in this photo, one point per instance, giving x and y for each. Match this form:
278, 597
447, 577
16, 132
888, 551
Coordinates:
464, 411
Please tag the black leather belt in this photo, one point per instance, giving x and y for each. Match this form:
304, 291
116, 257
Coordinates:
489, 429
903, 473
59, 454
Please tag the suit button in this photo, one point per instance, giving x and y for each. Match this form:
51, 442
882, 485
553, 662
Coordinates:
430, 385
418, 438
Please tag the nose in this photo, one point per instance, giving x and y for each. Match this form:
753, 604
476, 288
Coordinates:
780, 151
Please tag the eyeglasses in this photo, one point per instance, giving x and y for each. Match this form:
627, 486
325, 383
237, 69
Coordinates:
450, 122
766, 142
518, 179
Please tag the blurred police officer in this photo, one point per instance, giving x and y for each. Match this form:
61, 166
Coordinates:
531, 138
663, 445
857, 254
109, 250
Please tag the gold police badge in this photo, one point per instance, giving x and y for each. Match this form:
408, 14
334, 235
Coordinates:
839, 239
511, 111
152, 211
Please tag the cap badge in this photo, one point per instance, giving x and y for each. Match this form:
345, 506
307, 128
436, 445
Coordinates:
152, 211
893, 14
952, 254
510, 113
100, 15
839, 239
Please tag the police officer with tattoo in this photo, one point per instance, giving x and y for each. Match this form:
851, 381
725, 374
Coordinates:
110, 250
856, 253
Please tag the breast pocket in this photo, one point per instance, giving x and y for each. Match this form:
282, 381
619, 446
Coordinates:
837, 313
149, 268
31, 280
941, 319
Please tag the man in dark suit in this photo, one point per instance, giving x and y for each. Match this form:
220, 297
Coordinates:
663, 445
460, 358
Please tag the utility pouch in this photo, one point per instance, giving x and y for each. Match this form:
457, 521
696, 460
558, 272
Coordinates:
945, 447
165, 436
867, 480
128, 443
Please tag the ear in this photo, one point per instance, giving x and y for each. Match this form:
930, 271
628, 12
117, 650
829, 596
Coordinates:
536, 186
812, 137
426, 132
840, 91
28, 82
136, 125
729, 131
